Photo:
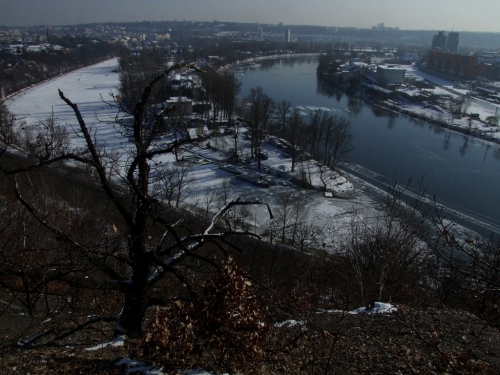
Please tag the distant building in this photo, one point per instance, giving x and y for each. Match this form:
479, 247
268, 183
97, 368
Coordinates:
260, 33
56, 47
439, 41
14, 48
445, 43
182, 105
288, 36
163, 36
452, 42
36, 47
462, 66
389, 74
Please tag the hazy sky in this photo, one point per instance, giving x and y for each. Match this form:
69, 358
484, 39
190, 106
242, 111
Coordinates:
459, 15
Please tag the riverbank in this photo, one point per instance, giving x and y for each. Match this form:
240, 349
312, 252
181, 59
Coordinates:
458, 170
269, 57
21, 91
485, 135
471, 127
478, 109
466, 124
478, 130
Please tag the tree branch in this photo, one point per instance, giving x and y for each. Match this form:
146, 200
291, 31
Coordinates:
97, 163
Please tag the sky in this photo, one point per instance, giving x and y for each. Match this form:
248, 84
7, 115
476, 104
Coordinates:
458, 15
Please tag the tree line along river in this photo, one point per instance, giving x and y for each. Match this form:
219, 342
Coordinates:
461, 172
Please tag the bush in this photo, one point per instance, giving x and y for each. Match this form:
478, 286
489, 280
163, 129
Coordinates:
222, 327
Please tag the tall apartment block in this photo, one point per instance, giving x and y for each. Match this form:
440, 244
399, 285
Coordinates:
452, 42
439, 41
442, 42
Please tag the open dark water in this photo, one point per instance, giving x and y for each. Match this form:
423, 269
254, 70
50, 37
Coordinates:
463, 173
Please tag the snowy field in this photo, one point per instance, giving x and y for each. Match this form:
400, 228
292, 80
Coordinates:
88, 87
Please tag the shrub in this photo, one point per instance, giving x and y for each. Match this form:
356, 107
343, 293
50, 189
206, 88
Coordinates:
222, 327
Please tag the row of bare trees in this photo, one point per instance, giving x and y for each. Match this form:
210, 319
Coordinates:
330, 138
220, 89
259, 110
326, 137
136, 71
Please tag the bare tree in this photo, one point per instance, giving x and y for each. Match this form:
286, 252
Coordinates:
290, 213
329, 138
231, 89
209, 197
308, 236
8, 134
147, 246
284, 216
283, 108
295, 132
298, 216
173, 185
221, 90
259, 112
469, 270
239, 108
459, 105
316, 130
337, 141
46, 140
386, 254
324, 175
224, 193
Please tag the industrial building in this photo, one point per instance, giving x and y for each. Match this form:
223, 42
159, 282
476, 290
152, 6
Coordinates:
389, 74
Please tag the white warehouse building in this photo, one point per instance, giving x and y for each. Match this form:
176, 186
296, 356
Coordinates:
390, 74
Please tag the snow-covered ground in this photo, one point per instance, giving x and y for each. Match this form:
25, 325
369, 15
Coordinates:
88, 87
484, 108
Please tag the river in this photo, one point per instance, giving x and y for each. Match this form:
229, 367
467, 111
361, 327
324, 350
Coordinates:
461, 172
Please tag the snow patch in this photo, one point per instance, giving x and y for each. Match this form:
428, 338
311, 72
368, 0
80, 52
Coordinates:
118, 341
289, 323
133, 366
378, 308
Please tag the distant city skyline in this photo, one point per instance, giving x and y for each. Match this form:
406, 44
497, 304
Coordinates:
458, 15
